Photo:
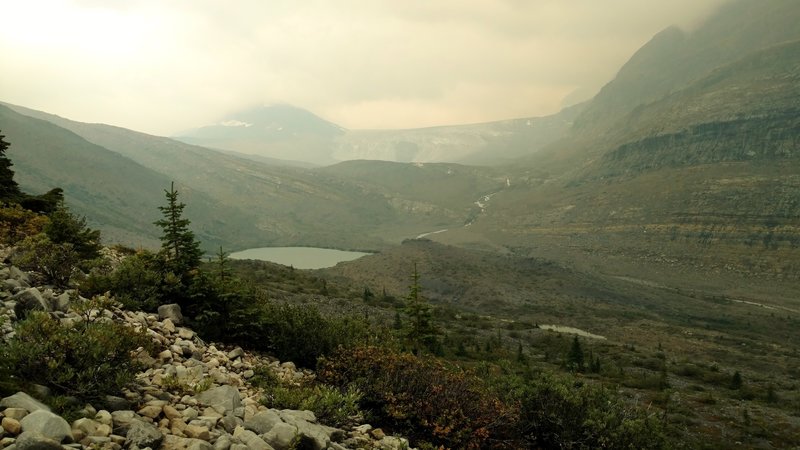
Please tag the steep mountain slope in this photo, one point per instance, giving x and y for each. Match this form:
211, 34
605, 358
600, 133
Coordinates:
116, 194
673, 59
702, 173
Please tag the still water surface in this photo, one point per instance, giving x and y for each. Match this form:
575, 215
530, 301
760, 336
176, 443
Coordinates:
299, 257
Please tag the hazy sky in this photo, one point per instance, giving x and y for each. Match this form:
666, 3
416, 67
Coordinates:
163, 66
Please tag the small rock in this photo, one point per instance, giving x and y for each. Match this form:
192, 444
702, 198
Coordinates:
185, 333
104, 417
230, 422
235, 353
164, 356
223, 442
190, 414
123, 420
15, 413
171, 413
197, 432
168, 326
172, 312
88, 427
11, 425
151, 411
378, 434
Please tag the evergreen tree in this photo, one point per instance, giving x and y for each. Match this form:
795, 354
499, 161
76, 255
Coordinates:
736, 380
575, 356
521, 358
178, 246
223, 271
421, 330
9, 190
368, 295
65, 227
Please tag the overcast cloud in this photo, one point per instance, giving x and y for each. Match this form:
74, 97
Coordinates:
164, 66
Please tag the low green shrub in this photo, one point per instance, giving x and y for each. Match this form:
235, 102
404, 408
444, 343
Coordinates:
56, 262
298, 333
331, 406
422, 398
563, 412
88, 360
17, 223
136, 283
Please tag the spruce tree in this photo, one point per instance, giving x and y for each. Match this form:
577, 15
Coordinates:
9, 190
421, 329
575, 356
178, 246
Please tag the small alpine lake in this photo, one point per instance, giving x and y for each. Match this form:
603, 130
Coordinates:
299, 257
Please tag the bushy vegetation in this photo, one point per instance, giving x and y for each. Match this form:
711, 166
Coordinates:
87, 360
18, 223
336, 407
563, 412
56, 262
421, 398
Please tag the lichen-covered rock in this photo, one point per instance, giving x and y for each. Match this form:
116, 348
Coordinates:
142, 434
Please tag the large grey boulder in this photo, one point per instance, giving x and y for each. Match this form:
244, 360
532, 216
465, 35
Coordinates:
113, 403
142, 434
171, 312
222, 398
262, 421
24, 401
22, 277
280, 436
61, 302
30, 300
46, 424
251, 440
34, 441
123, 420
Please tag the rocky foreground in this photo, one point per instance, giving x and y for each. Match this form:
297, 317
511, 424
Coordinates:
193, 395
